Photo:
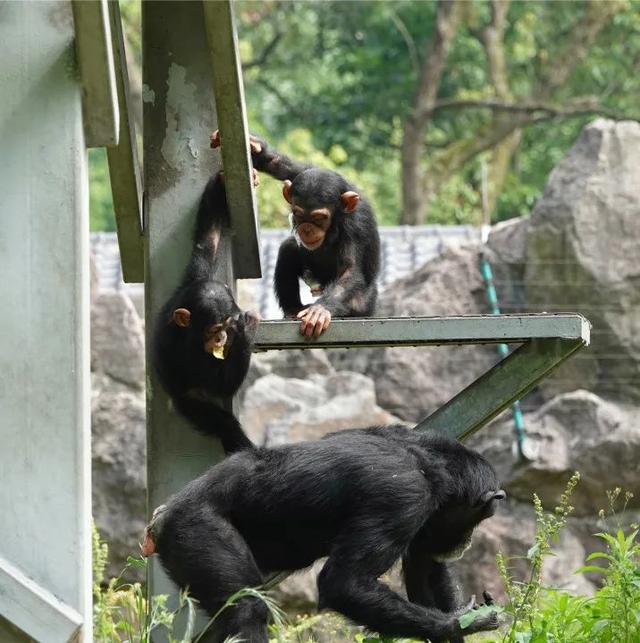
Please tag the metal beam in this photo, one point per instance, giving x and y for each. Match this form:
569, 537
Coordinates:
232, 121
124, 169
95, 59
426, 331
494, 391
35, 610
179, 113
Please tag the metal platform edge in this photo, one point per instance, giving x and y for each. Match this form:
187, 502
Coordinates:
427, 331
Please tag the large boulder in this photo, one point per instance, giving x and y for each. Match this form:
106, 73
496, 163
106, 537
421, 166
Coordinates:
277, 410
118, 427
118, 469
576, 431
117, 339
583, 245
512, 532
413, 382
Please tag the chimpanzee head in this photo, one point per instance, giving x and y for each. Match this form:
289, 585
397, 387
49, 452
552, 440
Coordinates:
210, 316
318, 199
472, 494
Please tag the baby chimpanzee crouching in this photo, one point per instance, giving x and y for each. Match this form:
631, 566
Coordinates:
335, 246
203, 341
364, 498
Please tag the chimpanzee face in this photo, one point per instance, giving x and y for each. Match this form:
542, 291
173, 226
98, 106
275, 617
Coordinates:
451, 528
212, 316
316, 197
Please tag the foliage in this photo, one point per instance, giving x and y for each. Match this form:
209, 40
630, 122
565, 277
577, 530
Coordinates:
122, 612
334, 82
544, 615
101, 213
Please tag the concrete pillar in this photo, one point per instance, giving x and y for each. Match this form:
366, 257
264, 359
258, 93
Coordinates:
45, 492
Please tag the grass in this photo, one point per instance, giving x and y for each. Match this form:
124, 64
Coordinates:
533, 612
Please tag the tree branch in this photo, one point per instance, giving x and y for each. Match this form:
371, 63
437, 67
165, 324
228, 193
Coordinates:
583, 105
266, 52
582, 36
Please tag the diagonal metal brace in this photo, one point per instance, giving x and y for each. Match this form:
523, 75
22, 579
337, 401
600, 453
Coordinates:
499, 387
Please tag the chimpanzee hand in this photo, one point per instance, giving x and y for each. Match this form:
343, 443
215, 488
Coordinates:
482, 622
251, 321
315, 319
256, 145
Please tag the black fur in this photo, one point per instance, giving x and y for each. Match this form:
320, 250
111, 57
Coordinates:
364, 498
193, 378
347, 264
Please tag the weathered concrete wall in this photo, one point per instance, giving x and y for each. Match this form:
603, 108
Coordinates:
45, 500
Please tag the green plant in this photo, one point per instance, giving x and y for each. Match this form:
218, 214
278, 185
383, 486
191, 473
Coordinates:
122, 612
544, 615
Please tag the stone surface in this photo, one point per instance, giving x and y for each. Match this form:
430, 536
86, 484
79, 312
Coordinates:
583, 245
278, 409
512, 531
576, 431
118, 469
117, 339
411, 383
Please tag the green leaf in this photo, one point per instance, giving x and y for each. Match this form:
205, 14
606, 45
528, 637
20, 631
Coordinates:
533, 551
137, 562
591, 568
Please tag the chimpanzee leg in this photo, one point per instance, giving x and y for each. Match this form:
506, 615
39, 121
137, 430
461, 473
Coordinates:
348, 584
215, 562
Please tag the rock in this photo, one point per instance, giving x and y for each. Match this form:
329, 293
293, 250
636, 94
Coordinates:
507, 254
299, 591
278, 410
512, 531
576, 431
411, 383
583, 245
117, 339
118, 469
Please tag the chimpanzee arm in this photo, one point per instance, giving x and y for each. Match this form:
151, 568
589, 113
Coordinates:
287, 272
349, 295
429, 582
271, 162
213, 216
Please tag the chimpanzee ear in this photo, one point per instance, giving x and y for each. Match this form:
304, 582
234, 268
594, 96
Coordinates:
350, 200
286, 190
182, 317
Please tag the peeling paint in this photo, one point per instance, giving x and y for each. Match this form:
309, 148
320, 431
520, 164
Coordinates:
179, 93
193, 148
148, 95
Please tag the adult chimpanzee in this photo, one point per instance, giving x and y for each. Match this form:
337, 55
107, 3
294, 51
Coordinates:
335, 245
203, 341
364, 498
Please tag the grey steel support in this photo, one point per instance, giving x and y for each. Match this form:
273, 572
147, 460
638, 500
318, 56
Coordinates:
499, 387
179, 116
95, 58
547, 340
124, 171
426, 331
229, 95
45, 440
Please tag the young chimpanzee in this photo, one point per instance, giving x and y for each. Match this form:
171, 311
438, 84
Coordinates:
335, 245
364, 498
203, 341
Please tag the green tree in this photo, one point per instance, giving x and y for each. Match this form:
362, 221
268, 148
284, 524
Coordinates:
435, 85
